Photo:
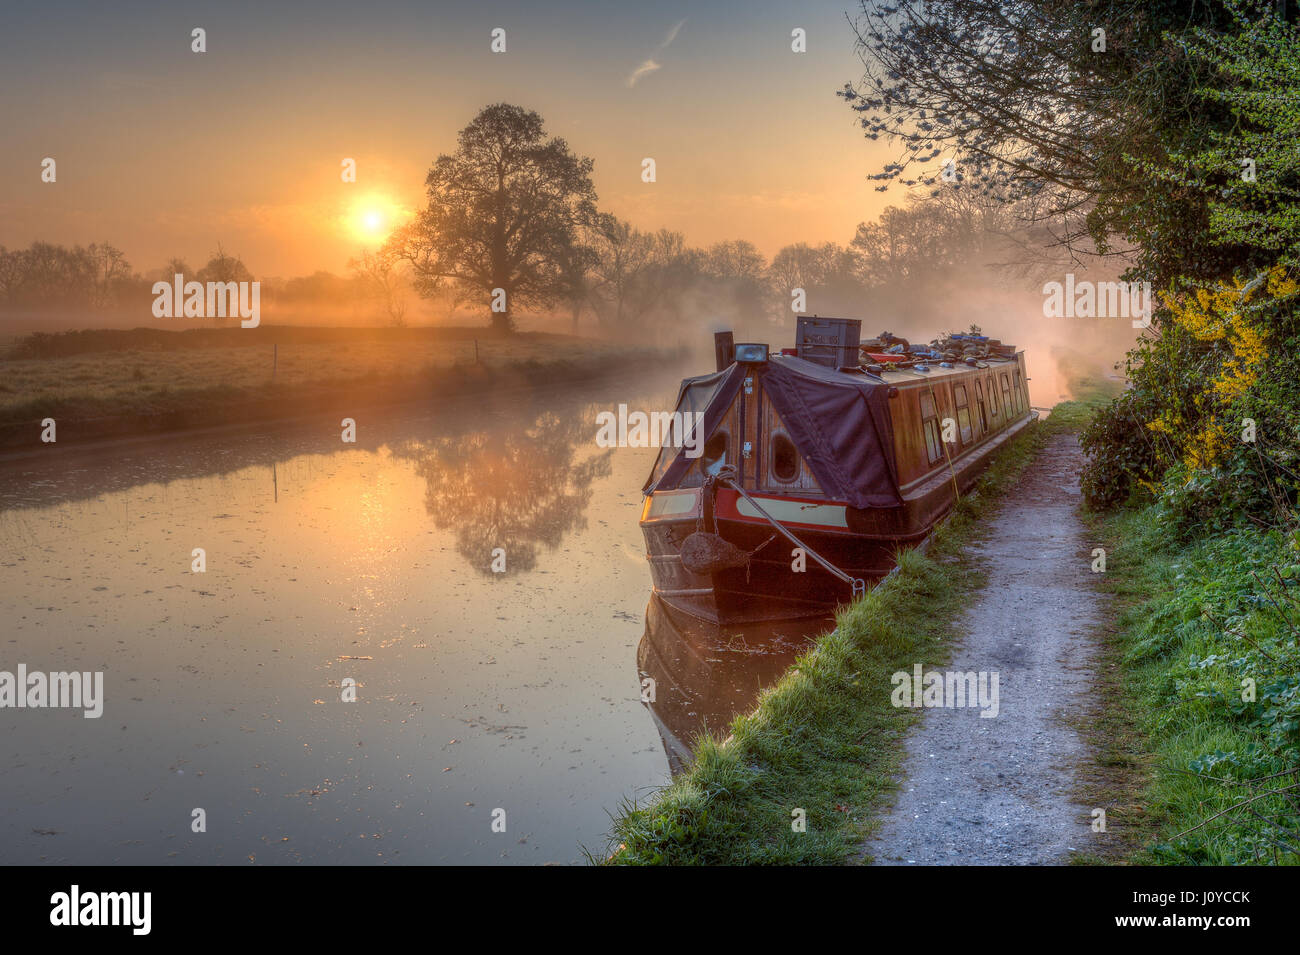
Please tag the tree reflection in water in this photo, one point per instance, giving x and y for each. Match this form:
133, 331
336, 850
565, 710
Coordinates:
518, 488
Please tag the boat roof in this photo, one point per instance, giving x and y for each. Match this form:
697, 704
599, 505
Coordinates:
900, 376
890, 374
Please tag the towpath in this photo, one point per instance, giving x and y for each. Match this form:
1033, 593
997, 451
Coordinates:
997, 791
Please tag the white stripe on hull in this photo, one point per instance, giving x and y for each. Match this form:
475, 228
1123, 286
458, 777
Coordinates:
795, 512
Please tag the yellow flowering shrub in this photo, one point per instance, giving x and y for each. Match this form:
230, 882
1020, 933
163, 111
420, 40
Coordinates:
1221, 314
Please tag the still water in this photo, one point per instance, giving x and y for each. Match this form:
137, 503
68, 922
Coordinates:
475, 691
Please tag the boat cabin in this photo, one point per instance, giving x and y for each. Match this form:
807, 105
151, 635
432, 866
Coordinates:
863, 447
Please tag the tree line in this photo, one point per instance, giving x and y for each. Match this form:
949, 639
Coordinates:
512, 224
94, 277
99, 278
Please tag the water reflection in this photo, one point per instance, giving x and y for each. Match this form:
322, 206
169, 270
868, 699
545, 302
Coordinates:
223, 689
517, 489
704, 674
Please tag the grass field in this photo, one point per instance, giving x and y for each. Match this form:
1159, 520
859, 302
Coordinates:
94, 375
1192, 773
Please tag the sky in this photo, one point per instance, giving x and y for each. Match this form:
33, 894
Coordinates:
165, 152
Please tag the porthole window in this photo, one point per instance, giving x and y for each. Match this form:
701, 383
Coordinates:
785, 459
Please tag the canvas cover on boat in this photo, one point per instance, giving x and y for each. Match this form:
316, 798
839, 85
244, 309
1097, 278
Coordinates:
694, 395
839, 422
841, 425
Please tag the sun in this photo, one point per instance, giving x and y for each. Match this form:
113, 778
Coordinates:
373, 218
368, 221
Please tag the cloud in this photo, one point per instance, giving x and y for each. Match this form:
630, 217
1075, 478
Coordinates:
650, 65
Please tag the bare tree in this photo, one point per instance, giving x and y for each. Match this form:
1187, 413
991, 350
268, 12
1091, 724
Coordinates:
223, 267
1056, 105
110, 269
381, 278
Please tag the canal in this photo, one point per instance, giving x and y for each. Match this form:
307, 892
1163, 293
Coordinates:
430, 646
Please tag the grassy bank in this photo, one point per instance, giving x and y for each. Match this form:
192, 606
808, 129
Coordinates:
1188, 771
1196, 619
103, 383
825, 739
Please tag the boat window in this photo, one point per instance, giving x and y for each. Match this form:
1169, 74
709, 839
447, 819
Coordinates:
979, 400
993, 397
1019, 388
930, 428
715, 453
785, 458
933, 450
696, 395
963, 412
1006, 395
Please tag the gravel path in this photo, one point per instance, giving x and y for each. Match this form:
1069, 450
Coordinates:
996, 791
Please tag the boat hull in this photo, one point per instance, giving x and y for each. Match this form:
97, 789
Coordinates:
768, 588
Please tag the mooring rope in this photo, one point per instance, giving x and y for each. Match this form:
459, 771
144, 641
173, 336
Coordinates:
725, 475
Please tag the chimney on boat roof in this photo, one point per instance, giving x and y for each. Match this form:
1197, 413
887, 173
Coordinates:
724, 349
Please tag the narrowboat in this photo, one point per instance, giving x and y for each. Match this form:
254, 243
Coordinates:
814, 466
